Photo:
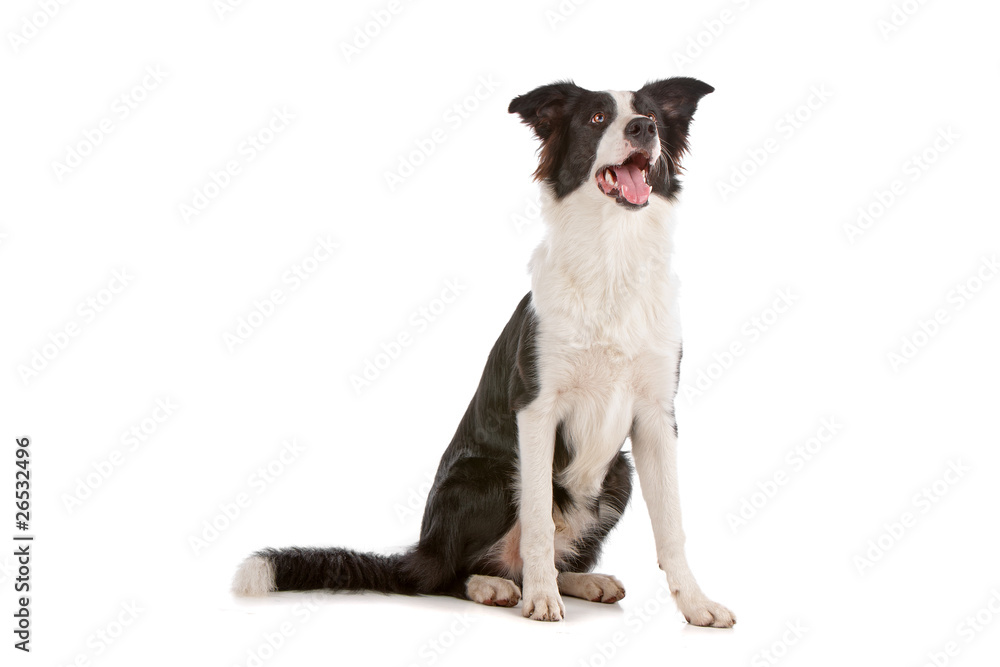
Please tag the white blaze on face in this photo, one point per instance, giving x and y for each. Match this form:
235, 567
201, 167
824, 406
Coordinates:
614, 148
628, 181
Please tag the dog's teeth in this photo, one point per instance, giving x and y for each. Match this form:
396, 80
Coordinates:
609, 176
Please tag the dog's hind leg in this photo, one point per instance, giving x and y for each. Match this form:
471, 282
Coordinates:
575, 577
467, 513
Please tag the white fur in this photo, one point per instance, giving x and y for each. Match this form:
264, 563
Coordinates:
255, 577
493, 591
590, 586
614, 148
608, 345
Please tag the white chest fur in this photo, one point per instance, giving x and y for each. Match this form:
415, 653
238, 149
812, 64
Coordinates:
608, 331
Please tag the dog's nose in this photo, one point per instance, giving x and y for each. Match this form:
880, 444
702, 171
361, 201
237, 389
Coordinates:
640, 129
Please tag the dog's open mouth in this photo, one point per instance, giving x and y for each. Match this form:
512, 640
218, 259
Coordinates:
627, 182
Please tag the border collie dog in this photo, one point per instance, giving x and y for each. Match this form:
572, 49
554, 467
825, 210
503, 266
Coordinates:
534, 478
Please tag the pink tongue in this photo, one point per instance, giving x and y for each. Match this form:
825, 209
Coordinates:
630, 184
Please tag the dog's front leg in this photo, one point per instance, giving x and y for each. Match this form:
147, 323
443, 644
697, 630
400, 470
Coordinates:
536, 428
654, 447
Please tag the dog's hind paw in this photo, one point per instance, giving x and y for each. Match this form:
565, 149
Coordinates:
492, 591
589, 586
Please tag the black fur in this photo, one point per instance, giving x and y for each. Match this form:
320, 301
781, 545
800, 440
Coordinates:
609, 506
673, 102
561, 114
471, 504
301, 569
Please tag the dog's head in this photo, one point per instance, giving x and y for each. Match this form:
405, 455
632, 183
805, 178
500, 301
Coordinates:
625, 145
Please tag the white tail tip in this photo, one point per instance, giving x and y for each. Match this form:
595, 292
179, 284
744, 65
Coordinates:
255, 577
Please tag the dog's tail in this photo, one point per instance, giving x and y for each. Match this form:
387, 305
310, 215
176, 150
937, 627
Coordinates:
313, 568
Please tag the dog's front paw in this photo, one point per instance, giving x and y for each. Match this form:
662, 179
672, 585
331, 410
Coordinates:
699, 610
543, 604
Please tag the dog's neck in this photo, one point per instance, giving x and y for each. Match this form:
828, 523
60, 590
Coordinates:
603, 269
598, 244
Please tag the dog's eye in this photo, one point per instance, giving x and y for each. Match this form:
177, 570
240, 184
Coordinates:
651, 116
598, 118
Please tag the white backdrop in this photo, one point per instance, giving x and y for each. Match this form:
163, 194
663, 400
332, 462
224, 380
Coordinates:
215, 215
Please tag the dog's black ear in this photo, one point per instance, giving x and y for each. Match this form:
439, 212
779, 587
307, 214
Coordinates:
677, 97
543, 108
